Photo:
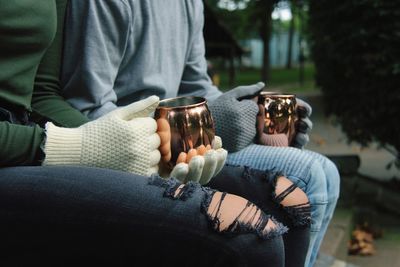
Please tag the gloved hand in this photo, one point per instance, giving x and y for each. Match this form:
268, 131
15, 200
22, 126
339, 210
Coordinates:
303, 124
235, 115
268, 139
198, 165
124, 139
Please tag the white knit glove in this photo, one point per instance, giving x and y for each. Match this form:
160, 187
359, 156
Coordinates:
201, 168
124, 139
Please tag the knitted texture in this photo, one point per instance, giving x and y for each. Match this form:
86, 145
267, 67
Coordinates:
235, 119
122, 140
201, 168
291, 161
303, 125
275, 140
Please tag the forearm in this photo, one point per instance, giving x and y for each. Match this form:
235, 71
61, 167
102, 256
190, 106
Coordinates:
20, 145
48, 105
47, 102
195, 80
199, 85
97, 34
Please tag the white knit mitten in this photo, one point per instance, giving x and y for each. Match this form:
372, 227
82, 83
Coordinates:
124, 139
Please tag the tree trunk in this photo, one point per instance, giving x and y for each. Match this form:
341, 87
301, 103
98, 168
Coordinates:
232, 72
265, 33
290, 38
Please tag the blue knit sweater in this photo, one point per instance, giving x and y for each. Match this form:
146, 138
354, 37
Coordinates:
120, 51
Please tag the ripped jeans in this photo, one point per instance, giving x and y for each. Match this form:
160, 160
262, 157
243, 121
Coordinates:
277, 196
312, 172
63, 216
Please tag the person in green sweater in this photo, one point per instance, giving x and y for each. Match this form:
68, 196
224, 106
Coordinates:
73, 189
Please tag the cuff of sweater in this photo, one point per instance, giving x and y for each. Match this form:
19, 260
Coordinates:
63, 145
279, 140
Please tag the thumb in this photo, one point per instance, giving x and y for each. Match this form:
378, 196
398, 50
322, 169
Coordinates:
248, 90
217, 143
303, 108
138, 109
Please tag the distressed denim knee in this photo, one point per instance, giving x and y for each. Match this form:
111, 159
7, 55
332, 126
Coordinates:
242, 227
227, 213
232, 214
293, 200
300, 166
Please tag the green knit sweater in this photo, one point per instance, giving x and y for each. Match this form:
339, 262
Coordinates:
30, 59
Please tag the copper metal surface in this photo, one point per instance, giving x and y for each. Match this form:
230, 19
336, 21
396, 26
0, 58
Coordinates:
190, 121
280, 113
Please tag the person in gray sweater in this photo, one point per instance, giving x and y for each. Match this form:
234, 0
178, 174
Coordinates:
120, 51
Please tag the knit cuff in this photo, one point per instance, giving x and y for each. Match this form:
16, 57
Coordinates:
280, 140
63, 145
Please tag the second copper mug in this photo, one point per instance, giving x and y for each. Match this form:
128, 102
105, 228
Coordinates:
280, 113
191, 125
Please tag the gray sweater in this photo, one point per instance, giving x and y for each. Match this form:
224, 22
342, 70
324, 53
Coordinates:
120, 51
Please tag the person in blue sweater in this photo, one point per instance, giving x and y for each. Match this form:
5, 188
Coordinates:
121, 51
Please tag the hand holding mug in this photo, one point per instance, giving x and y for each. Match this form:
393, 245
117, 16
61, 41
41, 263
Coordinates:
282, 120
189, 149
276, 119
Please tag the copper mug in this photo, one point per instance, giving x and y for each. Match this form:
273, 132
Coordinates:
191, 126
280, 113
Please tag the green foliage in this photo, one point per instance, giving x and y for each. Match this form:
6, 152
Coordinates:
237, 21
356, 50
244, 23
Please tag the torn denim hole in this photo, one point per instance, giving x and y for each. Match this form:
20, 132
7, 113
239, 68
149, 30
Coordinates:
248, 173
174, 189
266, 175
249, 219
272, 174
232, 165
299, 214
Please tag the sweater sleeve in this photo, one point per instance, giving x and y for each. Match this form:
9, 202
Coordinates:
47, 102
19, 145
97, 35
195, 80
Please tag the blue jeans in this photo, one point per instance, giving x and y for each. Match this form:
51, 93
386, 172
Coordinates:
66, 216
312, 172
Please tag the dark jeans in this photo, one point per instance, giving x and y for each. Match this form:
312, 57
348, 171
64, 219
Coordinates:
67, 216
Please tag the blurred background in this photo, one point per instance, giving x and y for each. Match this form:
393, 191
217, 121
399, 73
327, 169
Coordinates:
343, 57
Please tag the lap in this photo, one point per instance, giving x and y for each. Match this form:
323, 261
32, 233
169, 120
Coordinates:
59, 209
